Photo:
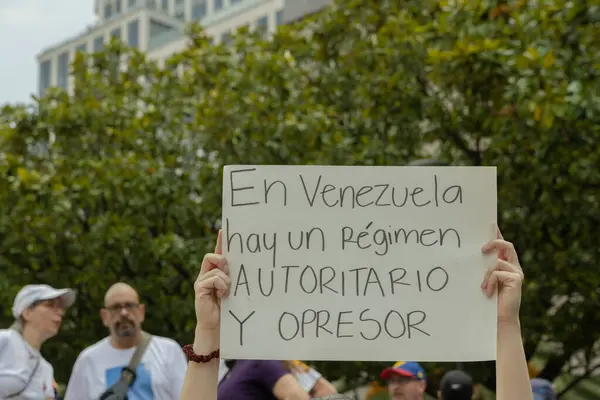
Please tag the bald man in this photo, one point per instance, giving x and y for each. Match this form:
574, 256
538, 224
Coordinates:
162, 368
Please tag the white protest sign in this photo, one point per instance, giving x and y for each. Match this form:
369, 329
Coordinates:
358, 263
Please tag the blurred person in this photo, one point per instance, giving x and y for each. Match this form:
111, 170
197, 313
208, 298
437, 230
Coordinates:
260, 380
542, 389
38, 311
55, 387
503, 280
308, 378
406, 380
456, 385
160, 373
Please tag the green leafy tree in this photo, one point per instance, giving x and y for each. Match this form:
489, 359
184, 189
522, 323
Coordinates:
121, 180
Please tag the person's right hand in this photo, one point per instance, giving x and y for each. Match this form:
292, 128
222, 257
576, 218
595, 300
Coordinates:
504, 278
211, 285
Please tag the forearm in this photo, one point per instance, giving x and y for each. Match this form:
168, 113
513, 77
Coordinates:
512, 375
295, 396
323, 388
201, 379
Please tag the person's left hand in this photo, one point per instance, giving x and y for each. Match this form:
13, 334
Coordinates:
506, 276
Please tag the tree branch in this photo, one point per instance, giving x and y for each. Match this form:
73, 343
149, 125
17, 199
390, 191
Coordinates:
577, 380
452, 134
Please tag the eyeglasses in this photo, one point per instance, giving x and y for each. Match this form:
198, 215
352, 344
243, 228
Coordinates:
115, 308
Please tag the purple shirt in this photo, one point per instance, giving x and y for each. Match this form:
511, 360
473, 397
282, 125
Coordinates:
251, 380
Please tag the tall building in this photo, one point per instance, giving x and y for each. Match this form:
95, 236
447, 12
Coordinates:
156, 27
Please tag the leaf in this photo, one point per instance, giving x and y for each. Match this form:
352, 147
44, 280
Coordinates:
537, 115
532, 53
549, 59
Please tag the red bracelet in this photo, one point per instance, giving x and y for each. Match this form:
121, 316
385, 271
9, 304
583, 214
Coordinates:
188, 349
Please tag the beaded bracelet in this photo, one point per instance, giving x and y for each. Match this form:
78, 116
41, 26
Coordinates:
188, 349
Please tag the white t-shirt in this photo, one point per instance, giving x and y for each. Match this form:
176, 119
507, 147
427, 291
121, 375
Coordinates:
307, 377
160, 373
17, 362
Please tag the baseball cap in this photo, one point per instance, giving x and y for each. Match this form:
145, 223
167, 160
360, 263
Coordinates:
456, 385
542, 389
29, 294
409, 369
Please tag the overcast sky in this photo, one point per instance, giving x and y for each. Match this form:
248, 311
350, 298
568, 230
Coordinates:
27, 27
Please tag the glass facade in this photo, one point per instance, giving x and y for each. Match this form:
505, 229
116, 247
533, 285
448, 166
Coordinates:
99, 43
133, 34
158, 28
45, 76
262, 24
116, 33
62, 73
199, 9
225, 37
82, 48
56, 70
107, 10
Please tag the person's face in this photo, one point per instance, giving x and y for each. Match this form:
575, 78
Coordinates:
123, 314
45, 317
406, 388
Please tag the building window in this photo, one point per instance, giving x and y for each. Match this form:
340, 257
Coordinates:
99, 44
116, 33
218, 5
180, 15
107, 10
63, 70
262, 24
225, 37
118, 6
82, 48
235, 1
179, 2
133, 34
45, 73
279, 18
165, 5
199, 10
131, 3
158, 28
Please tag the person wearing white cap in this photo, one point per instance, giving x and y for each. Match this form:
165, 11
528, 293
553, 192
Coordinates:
38, 312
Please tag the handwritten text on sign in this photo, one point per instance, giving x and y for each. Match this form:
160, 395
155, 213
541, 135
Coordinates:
358, 263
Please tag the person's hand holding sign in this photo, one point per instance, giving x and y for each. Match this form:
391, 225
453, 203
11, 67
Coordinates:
506, 276
211, 285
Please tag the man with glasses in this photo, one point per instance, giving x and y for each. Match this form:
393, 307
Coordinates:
406, 380
160, 373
